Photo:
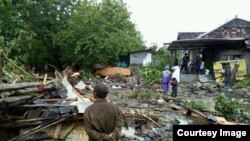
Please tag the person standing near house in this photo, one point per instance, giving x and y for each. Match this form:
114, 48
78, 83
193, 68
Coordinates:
191, 66
102, 120
185, 61
166, 79
198, 61
174, 85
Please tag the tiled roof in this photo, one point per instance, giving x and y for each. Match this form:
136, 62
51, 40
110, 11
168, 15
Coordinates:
188, 35
235, 28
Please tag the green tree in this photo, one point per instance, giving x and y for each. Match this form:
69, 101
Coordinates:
38, 32
28, 28
99, 33
45, 18
14, 32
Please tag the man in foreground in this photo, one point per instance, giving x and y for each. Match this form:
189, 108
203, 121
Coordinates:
102, 120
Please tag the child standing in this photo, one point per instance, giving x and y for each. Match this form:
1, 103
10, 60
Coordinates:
174, 84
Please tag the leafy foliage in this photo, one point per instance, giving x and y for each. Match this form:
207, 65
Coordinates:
226, 107
160, 59
153, 72
198, 105
69, 32
235, 109
98, 33
243, 83
150, 75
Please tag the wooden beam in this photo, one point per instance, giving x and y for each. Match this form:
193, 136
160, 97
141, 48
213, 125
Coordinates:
6, 87
15, 100
57, 131
67, 131
38, 128
46, 105
35, 89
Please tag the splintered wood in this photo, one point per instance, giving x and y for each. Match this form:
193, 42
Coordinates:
138, 115
111, 71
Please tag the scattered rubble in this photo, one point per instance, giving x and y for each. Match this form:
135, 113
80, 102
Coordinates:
53, 110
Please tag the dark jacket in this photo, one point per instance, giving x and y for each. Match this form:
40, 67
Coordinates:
101, 119
174, 83
185, 60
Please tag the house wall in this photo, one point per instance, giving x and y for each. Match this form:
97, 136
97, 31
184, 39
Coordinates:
147, 59
246, 55
140, 58
232, 55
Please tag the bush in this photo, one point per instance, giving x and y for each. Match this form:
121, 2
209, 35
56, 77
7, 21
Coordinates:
153, 72
15, 69
150, 75
243, 83
198, 105
226, 107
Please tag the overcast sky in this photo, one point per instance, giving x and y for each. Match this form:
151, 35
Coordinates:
159, 21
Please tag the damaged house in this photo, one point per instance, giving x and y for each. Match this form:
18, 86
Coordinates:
228, 44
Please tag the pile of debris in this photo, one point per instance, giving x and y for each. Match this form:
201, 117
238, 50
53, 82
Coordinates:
55, 110
52, 109
51, 104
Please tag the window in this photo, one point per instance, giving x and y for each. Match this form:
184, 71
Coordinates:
236, 57
230, 57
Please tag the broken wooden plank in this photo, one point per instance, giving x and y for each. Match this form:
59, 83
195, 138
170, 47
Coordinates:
15, 100
149, 108
6, 87
35, 89
46, 105
24, 124
34, 113
67, 131
57, 131
190, 110
39, 128
32, 122
148, 118
58, 99
175, 107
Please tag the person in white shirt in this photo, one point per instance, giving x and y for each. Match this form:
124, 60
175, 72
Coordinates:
176, 73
